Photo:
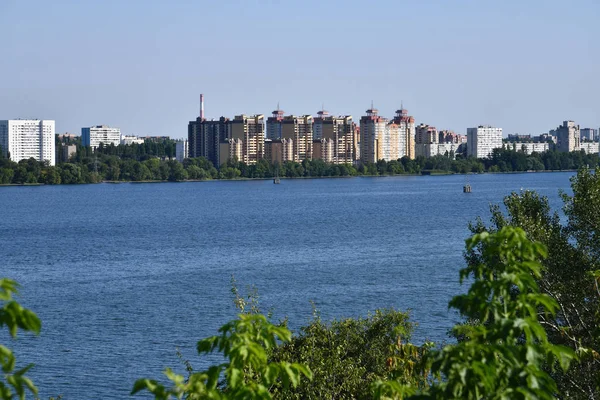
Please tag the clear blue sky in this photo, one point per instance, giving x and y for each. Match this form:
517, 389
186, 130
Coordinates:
523, 65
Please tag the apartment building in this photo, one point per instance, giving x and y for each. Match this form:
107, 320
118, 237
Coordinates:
181, 150
95, 135
568, 137
372, 132
204, 138
251, 131
26, 138
406, 133
340, 132
481, 141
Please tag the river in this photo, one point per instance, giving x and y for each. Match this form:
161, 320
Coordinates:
122, 275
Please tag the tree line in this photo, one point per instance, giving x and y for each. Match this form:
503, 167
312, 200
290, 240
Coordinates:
153, 161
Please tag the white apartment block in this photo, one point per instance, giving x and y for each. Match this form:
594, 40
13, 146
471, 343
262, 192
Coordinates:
528, 148
130, 139
181, 150
481, 141
437, 149
27, 138
390, 142
590, 147
95, 135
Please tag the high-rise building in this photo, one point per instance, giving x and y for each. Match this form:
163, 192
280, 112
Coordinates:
568, 137
205, 136
251, 131
481, 141
274, 124
372, 132
425, 134
95, 135
279, 150
425, 137
356, 142
298, 129
25, 138
338, 130
231, 149
589, 134
324, 149
181, 150
392, 143
446, 136
406, 134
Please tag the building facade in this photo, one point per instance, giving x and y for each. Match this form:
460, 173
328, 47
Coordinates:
481, 141
447, 136
68, 150
181, 150
130, 139
298, 129
340, 132
95, 135
24, 138
205, 137
406, 132
251, 131
568, 137
425, 134
590, 147
372, 131
589, 134
274, 124
528, 147
439, 149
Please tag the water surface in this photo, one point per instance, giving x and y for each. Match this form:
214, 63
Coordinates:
123, 274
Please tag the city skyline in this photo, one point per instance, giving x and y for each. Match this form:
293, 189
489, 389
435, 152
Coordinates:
518, 66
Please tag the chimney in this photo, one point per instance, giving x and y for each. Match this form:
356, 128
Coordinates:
201, 106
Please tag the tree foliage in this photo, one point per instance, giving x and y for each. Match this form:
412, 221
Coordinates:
245, 343
504, 354
153, 161
346, 356
13, 382
567, 274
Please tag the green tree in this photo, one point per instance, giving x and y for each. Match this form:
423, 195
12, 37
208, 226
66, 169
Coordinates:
14, 383
52, 176
176, 171
574, 253
506, 353
346, 356
6, 175
70, 173
245, 344
195, 172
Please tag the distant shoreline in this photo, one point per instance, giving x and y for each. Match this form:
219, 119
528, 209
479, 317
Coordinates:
440, 173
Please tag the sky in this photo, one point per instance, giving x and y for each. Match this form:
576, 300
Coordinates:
524, 66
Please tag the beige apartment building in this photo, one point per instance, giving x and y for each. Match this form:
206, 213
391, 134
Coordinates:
300, 131
324, 149
245, 140
340, 131
406, 139
372, 132
279, 150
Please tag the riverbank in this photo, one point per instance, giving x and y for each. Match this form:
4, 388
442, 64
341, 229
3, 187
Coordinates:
423, 173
